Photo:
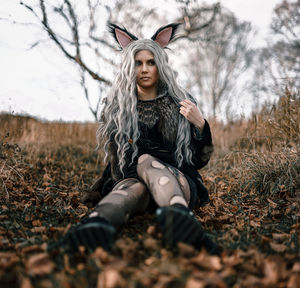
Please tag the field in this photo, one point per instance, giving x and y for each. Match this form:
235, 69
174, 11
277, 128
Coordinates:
253, 180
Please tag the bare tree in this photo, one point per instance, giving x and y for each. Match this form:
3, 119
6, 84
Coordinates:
218, 59
73, 29
278, 64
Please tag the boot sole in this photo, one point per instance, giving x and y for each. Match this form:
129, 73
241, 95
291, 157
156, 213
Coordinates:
91, 236
178, 226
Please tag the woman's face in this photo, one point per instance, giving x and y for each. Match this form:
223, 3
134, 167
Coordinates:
146, 70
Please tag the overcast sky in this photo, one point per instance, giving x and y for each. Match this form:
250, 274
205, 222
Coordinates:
40, 82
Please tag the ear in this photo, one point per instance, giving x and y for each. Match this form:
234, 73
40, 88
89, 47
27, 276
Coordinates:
121, 35
165, 34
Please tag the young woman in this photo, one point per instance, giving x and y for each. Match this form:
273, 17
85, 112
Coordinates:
155, 140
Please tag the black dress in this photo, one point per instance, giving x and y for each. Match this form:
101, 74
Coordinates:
157, 138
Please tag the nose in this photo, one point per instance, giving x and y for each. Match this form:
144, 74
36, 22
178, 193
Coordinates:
144, 68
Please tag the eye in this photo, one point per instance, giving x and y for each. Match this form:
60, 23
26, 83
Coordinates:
137, 63
151, 62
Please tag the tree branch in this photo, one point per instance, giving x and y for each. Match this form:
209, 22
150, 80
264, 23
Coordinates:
54, 37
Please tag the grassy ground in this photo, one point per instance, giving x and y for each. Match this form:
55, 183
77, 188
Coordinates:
253, 179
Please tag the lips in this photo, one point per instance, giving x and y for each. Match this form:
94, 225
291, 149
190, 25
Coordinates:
145, 78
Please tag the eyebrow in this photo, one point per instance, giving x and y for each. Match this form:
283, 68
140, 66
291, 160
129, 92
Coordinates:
146, 60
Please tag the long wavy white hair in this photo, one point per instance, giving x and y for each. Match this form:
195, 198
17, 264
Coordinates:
119, 117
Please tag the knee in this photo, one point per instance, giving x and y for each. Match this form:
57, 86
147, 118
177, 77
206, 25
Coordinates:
144, 158
149, 160
147, 165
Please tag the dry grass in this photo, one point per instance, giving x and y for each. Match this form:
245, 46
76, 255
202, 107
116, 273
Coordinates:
275, 175
273, 167
26, 130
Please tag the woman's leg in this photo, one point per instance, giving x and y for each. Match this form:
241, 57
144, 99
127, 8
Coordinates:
167, 184
128, 197
171, 191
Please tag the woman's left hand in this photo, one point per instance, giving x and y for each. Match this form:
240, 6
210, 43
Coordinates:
191, 112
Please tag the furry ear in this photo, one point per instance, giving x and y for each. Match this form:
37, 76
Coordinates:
121, 35
165, 34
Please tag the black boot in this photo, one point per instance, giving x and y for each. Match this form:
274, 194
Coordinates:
179, 224
91, 233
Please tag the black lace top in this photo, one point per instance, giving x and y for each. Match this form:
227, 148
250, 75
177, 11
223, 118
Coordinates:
154, 115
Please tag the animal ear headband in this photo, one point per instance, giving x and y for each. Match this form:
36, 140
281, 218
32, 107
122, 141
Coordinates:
162, 36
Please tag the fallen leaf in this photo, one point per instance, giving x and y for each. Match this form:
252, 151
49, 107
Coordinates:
8, 259
254, 224
110, 279
150, 243
36, 222
39, 229
272, 203
149, 261
280, 236
294, 281
26, 283
194, 283
274, 270
252, 281
101, 255
39, 264
206, 261
296, 267
185, 250
151, 230
234, 208
278, 247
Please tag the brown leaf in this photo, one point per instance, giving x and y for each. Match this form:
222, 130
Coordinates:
278, 247
274, 270
185, 250
110, 279
151, 230
67, 265
294, 281
150, 243
208, 262
232, 260
234, 208
33, 248
80, 267
8, 259
26, 283
38, 229
39, 264
194, 283
149, 261
254, 224
280, 236
272, 203
296, 267
4, 207
252, 281
101, 255
36, 222
164, 281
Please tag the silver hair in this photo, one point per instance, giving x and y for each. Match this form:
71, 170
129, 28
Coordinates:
119, 117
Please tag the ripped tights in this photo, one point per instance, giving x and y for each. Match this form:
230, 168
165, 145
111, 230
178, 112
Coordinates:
166, 184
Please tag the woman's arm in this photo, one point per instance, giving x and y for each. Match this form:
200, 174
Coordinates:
201, 145
201, 142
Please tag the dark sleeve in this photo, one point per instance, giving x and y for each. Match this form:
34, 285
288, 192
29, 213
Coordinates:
201, 144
